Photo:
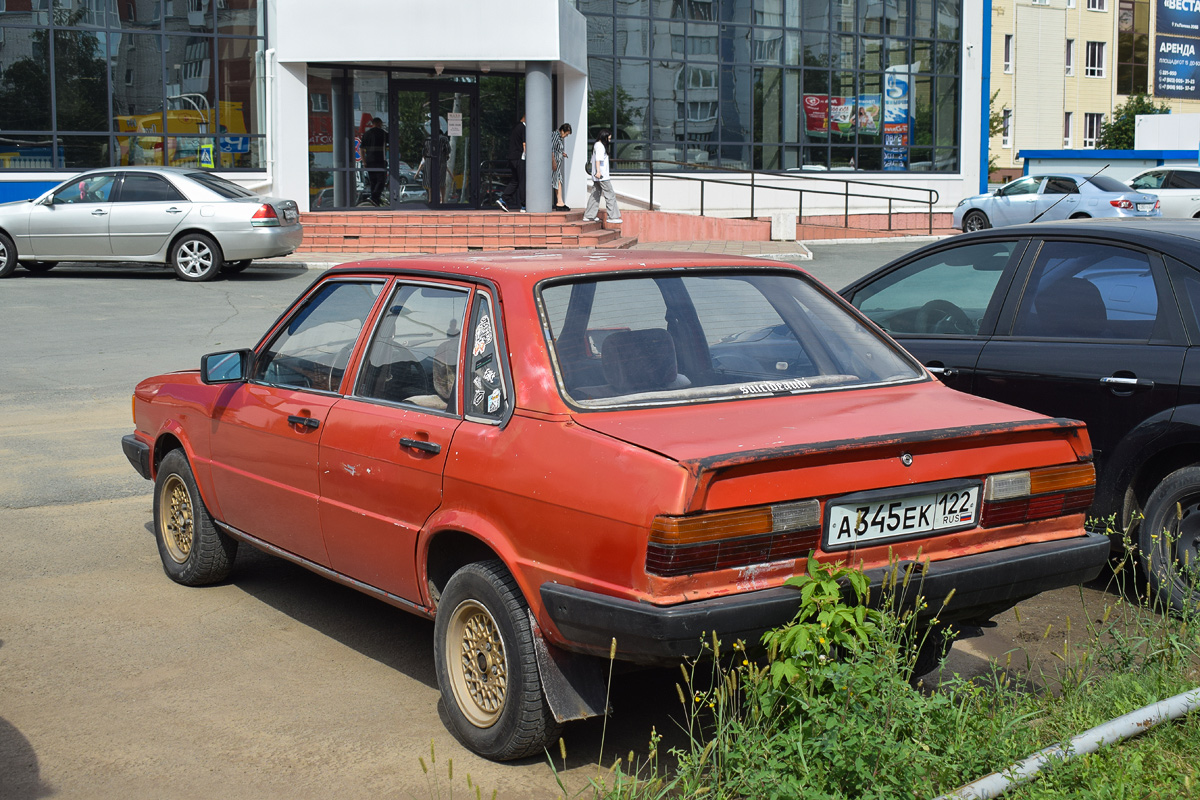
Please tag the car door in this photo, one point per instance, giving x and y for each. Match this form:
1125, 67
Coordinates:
266, 434
1016, 202
73, 222
385, 446
1094, 335
147, 211
942, 305
1182, 193
1059, 199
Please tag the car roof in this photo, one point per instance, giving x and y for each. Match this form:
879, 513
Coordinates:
533, 266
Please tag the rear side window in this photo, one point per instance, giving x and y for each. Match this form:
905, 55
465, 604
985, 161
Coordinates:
219, 185
1184, 180
1060, 186
1078, 290
148, 188
944, 293
701, 335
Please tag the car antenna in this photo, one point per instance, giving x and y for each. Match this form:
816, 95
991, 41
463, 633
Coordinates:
1064, 197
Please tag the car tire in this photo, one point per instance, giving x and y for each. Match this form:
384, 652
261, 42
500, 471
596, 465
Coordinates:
193, 551
38, 267
975, 221
8, 256
1169, 539
196, 257
233, 267
487, 667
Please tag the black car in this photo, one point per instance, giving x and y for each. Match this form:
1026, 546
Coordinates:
1098, 320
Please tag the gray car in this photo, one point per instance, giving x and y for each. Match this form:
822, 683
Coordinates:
1036, 198
196, 221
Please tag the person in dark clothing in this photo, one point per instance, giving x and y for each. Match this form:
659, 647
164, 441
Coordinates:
514, 191
374, 153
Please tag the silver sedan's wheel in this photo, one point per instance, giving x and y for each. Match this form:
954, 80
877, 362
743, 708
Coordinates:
8, 256
975, 221
195, 257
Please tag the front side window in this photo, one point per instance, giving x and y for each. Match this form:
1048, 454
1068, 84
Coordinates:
1149, 180
702, 335
91, 189
312, 350
945, 293
1027, 185
1078, 290
413, 357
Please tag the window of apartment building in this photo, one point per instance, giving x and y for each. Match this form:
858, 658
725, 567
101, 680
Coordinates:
1070, 3
1091, 130
1094, 66
1097, 5
1006, 130
1067, 120
1133, 46
1008, 48
1070, 57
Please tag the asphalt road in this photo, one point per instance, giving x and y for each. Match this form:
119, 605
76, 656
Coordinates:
117, 683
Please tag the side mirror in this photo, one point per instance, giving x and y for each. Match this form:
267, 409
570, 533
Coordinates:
232, 366
999, 191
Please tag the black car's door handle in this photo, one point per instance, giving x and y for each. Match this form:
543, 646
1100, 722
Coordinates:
420, 444
308, 422
942, 372
1130, 383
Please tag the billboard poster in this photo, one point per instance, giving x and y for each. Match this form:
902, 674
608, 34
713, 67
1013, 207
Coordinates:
897, 126
869, 111
816, 113
841, 114
1176, 67
1178, 17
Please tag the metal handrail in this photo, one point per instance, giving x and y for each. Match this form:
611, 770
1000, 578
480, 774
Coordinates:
931, 196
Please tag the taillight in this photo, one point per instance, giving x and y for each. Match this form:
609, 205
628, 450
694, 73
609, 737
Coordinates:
265, 217
726, 539
1015, 497
1157, 205
1122, 203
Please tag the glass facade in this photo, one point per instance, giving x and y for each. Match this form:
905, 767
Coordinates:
866, 85
89, 83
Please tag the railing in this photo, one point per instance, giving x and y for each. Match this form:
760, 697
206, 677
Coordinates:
920, 196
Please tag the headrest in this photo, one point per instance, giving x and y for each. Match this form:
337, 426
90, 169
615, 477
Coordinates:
639, 361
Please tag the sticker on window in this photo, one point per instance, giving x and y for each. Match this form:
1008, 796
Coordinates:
494, 401
771, 387
483, 335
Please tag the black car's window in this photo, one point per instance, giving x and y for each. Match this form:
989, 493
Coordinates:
1183, 180
1186, 281
1027, 185
88, 189
947, 292
311, 351
1151, 180
413, 356
488, 394
700, 335
148, 188
1060, 186
1078, 290
223, 187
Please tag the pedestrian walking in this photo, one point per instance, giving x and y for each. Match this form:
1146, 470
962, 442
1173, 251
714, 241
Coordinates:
514, 192
558, 164
602, 181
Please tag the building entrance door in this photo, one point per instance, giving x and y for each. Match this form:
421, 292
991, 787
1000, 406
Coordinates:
435, 159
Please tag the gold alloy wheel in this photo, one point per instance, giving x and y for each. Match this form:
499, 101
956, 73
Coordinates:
175, 518
477, 664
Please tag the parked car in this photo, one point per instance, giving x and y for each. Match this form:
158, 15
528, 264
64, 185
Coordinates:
198, 222
1097, 321
541, 453
1053, 197
1177, 189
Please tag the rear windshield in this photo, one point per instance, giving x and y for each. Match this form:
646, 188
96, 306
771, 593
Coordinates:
705, 335
1106, 184
223, 187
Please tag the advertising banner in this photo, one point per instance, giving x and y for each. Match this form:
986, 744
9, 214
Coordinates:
841, 114
816, 113
1176, 67
1178, 17
869, 111
896, 116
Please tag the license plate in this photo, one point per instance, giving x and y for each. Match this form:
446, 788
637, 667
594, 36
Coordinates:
290, 215
1145, 206
851, 523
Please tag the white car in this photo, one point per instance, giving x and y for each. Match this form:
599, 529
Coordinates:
1178, 189
1053, 197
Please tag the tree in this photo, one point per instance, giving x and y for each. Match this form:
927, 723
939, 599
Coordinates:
1117, 134
995, 127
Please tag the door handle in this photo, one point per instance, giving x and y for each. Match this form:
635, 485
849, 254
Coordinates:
421, 444
942, 372
174, 210
1132, 383
308, 422
99, 212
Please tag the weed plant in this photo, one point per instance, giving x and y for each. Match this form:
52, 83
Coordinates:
831, 711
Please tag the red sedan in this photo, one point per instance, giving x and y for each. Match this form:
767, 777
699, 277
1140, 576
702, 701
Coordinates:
546, 451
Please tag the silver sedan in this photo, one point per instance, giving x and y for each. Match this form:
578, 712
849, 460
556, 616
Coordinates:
1036, 198
196, 221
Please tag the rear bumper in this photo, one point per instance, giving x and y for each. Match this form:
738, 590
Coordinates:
138, 453
985, 584
262, 242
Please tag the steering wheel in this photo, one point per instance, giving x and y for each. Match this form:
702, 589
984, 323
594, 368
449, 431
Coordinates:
942, 316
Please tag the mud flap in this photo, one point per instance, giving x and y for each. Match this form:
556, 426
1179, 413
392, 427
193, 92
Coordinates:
573, 684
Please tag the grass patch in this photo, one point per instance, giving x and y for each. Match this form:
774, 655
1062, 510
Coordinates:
831, 712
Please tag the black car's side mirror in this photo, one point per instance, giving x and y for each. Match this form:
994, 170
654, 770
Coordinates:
232, 366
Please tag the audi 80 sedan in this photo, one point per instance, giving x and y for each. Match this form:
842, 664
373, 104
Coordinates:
199, 223
544, 453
